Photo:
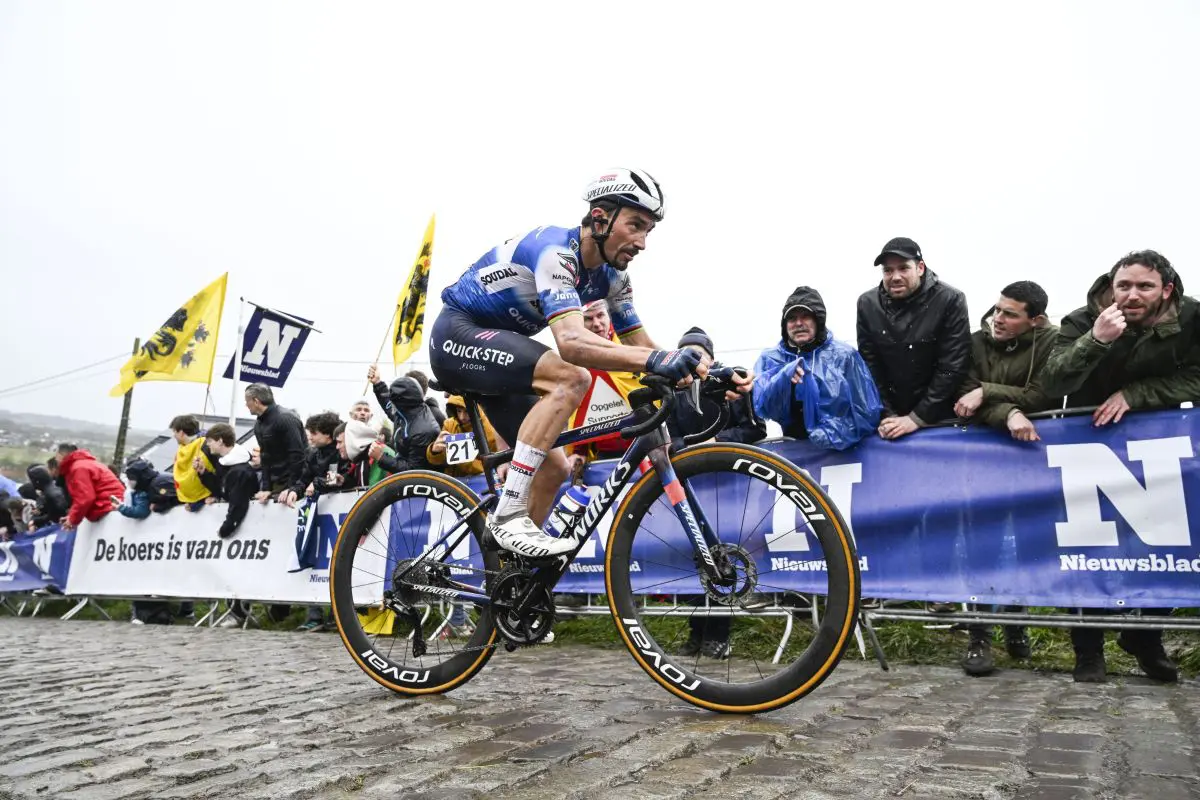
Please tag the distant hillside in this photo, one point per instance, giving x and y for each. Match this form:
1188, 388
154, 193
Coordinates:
20, 421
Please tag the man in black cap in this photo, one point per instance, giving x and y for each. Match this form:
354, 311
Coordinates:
914, 334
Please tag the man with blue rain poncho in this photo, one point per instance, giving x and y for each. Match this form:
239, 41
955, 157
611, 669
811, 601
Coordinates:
814, 386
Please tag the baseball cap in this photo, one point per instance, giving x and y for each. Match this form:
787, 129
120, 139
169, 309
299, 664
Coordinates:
900, 246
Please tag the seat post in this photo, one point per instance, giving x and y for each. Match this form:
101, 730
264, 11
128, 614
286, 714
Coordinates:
480, 439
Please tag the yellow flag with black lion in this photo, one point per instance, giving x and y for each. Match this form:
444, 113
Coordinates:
410, 306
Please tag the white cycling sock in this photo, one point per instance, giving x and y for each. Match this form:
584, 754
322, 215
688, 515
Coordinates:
514, 497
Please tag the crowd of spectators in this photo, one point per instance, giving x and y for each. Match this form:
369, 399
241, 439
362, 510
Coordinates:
1132, 345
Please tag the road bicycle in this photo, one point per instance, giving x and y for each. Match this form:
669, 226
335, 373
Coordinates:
415, 545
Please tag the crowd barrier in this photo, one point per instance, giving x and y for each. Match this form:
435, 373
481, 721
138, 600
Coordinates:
1086, 517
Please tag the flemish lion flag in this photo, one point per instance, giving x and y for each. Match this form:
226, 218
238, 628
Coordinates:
184, 347
410, 316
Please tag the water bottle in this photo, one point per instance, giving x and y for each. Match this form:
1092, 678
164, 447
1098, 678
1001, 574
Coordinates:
569, 509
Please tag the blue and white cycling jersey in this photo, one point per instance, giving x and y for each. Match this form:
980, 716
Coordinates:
530, 281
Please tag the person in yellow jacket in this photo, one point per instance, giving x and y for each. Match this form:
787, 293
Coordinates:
458, 421
194, 472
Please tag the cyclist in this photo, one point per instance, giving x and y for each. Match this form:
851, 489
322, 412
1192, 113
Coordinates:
480, 341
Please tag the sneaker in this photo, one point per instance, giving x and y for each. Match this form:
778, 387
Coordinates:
1151, 659
978, 660
1089, 668
716, 649
521, 536
1016, 643
309, 626
941, 608
136, 621
230, 622
549, 638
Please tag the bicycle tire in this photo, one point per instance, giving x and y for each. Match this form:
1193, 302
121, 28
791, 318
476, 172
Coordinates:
833, 634
402, 677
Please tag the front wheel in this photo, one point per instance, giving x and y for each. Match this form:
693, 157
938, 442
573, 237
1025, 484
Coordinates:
733, 647
390, 526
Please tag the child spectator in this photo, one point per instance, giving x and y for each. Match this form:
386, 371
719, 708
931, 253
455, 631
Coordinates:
238, 479
192, 464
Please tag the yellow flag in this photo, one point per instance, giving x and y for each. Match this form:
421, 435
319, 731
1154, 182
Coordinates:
184, 347
410, 316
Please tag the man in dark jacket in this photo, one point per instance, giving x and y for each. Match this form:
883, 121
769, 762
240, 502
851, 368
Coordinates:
915, 336
743, 424
415, 425
1008, 353
1004, 384
423, 379
1141, 351
52, 503
233, 469
280, 436
812, 380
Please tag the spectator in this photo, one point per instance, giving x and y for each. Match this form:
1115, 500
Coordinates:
743, 424
812, 385
193, 471
17, 515
360, 465
52, 501
597, 320
915, 337
320, 466
459, 421
31, 516
90, 485
709, 635
280, 436
59, 480
415, 425
238, 479
423, 381
1008, 354
321, 455
361, 410
150, 490
1142, 351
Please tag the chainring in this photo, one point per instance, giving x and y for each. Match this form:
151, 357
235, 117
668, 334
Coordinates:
521, 628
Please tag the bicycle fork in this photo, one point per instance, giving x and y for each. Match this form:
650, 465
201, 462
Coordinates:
687, 508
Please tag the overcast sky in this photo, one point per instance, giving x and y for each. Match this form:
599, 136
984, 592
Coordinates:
145, 148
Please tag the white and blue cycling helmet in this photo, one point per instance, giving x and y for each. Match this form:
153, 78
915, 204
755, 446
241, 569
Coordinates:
632, 188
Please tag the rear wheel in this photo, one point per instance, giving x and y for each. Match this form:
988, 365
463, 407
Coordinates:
793, 598
386, 530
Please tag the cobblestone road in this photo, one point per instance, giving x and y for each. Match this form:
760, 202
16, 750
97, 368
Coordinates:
105, 710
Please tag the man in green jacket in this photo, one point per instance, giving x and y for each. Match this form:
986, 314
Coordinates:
1142, 351
1003, 385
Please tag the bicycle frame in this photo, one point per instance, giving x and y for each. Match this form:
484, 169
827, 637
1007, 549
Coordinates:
654, 445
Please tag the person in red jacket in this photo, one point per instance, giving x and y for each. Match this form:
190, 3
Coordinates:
90, 484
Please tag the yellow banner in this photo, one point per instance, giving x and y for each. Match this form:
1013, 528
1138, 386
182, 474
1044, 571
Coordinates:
184, 347
410, 314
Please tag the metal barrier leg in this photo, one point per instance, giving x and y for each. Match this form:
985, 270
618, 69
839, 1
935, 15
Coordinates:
36, 608
82, 604
787, 633
99, 609
212, 610
864, 623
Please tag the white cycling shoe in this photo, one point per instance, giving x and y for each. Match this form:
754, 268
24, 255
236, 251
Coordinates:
520, 535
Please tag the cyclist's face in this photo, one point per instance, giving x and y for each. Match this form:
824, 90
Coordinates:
628, 235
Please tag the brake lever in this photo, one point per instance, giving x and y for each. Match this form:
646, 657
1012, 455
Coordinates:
695, 392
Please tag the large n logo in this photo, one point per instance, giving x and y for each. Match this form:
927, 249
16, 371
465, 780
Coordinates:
1157, 512
274, 339
43, 553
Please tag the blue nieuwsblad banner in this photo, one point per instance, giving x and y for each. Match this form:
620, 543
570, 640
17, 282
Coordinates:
1087, 516
270, 347
37, 560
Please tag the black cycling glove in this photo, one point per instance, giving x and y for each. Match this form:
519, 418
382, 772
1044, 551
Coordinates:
673, 364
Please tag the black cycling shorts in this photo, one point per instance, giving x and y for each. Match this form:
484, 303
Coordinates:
491, 362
